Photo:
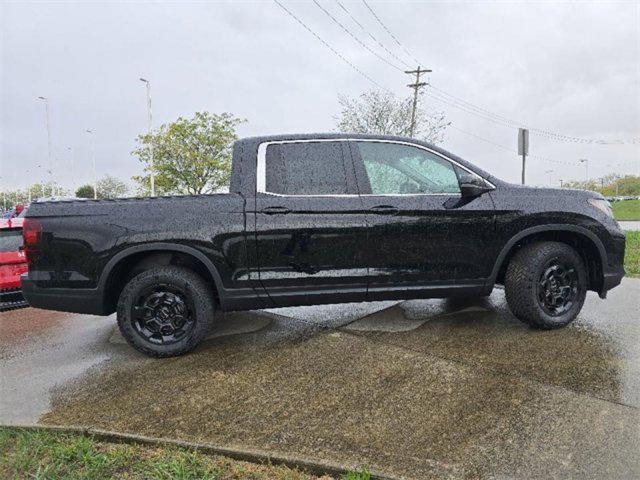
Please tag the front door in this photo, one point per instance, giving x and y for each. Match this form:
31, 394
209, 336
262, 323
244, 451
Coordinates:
310, 224
423, 237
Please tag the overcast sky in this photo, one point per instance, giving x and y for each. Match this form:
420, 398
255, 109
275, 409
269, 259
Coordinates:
567, 67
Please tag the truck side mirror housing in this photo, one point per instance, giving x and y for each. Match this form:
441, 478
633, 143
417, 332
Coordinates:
474, 187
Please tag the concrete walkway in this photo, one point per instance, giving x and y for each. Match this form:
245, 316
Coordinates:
630, 226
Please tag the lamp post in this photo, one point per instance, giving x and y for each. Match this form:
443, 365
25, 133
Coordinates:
71, 163
48, 121
148, 84
586, 164
93, 157
549, 172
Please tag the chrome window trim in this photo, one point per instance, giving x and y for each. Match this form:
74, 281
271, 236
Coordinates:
261, 172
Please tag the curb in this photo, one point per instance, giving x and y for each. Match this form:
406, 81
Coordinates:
314, 467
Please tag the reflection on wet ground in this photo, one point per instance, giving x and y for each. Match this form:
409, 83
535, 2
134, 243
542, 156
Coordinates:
424, 389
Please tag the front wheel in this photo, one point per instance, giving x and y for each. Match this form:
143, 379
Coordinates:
546, 284
165, 311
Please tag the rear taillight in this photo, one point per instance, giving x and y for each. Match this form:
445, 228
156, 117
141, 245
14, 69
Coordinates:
31, 234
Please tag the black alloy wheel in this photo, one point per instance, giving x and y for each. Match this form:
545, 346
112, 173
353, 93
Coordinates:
166, 311
163, 314
546, 284
558, 288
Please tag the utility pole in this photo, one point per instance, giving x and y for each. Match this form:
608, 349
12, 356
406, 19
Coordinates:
93, 156
415, 86
46, 105
148, 83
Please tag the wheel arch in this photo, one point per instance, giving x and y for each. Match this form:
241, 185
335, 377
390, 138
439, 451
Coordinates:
587, 243
122, 266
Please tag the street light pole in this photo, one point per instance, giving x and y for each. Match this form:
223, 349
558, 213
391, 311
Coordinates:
46, 105
586, 164
549, 172
71, 163
148, 84
93, 157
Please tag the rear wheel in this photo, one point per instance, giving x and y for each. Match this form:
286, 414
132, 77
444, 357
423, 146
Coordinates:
546, 284
165, 311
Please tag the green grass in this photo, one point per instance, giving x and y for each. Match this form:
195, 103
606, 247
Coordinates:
362, 475
632, 253
626, 210
62, 456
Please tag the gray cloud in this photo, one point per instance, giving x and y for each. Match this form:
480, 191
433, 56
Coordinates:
571, 67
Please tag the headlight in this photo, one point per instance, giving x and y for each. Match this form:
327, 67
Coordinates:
601, 204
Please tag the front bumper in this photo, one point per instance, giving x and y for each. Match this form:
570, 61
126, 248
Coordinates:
75, 300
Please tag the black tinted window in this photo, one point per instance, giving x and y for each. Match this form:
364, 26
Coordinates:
306, 168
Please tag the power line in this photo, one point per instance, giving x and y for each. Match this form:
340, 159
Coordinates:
375, 39
348, 32
540, 132
335, 52
389, 32
449, 99
512, 150
476, 110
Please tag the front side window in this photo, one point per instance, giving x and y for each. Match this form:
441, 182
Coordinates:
395, 169
305, 168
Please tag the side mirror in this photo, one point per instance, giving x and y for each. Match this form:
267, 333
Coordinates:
474, 188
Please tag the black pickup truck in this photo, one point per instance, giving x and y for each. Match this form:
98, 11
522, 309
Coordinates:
314, 219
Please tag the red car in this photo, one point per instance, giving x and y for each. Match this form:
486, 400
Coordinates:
12, 264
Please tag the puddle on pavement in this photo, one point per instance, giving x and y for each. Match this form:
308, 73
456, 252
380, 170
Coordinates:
227, 324
347, 398
461, 389
410, 315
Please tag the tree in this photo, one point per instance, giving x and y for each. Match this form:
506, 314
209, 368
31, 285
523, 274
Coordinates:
190, 156
111, 187
382, 113
108, 187
610, 185
85, 191
13, 197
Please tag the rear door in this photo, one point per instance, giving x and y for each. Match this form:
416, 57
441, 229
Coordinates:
422, 236
310, 224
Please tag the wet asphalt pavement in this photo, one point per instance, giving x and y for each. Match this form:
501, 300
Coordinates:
422, 389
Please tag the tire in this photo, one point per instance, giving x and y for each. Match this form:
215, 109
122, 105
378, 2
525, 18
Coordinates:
165, 311
546, 285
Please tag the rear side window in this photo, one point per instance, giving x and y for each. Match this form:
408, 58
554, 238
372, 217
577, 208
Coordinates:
10, 240
305, 168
